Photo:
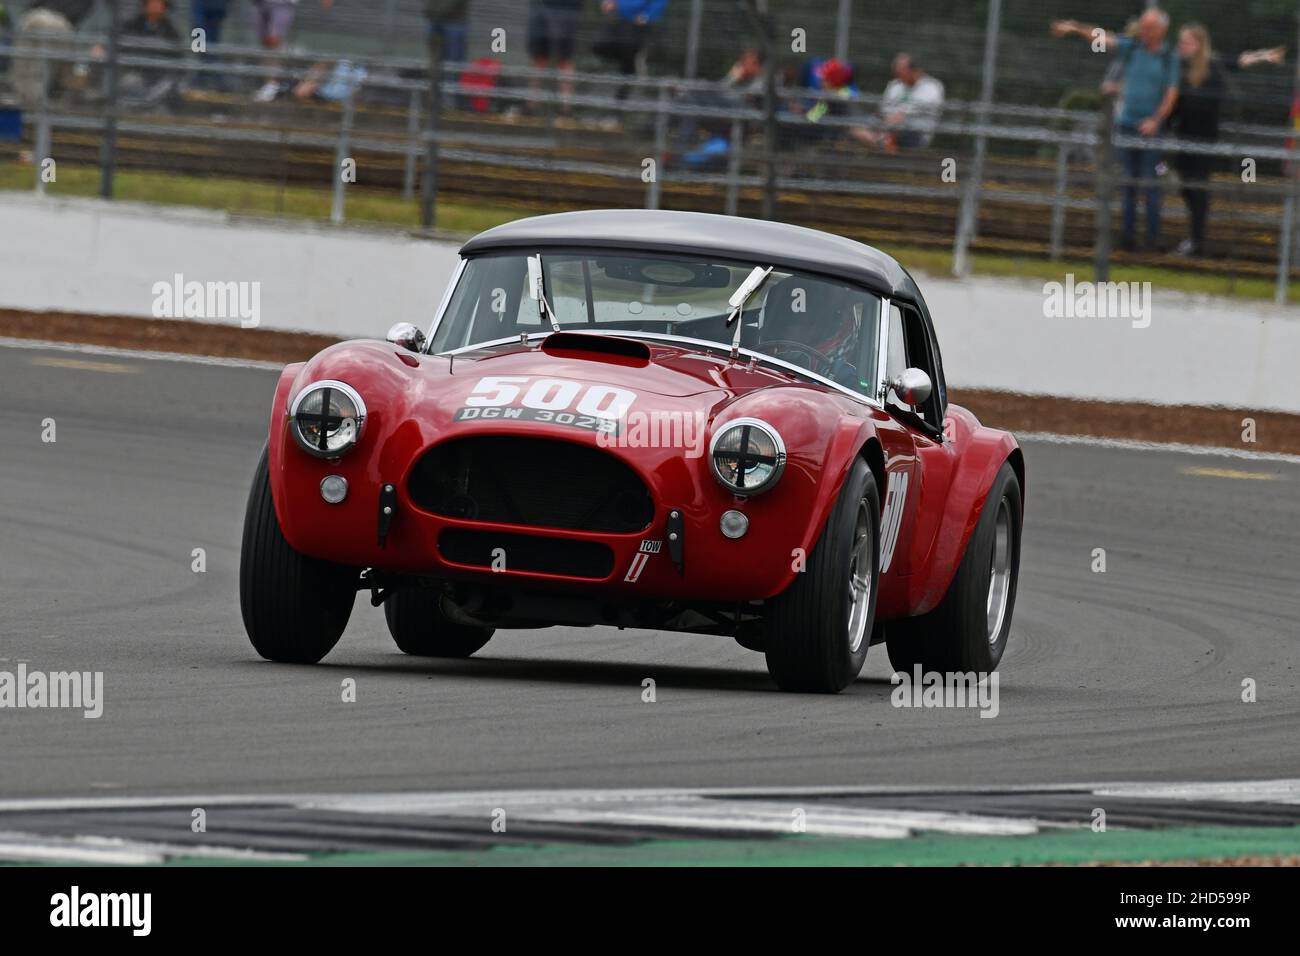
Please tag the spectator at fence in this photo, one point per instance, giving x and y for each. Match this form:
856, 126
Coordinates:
552, 33
1196, 117
909, 110
1148, 97
1112, 84
44, 23
152, 22
703, 142
448, 36
272, 24
746, 74
146, 86
832, 80
449, 22
627, 30
479, 79
331, 82
209, 16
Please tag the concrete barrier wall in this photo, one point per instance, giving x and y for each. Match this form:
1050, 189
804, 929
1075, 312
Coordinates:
1197, 350
94, 257
105, 258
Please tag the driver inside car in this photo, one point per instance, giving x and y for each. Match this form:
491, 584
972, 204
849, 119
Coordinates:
811, 324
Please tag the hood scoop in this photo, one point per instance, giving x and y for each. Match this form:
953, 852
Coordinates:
597, 348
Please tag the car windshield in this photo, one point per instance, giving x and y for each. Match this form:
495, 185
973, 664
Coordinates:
823, 325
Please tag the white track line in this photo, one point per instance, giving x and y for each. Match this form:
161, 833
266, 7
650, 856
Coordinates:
33, 848
1277, 791
741, 810
1129, 444
429, 803
774, 817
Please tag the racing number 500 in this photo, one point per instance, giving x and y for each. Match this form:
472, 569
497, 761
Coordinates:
552, 395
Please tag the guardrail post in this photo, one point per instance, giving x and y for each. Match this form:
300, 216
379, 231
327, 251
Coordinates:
390, 26
763, 22
412, 146
1058, 201
652, 193
1104, 161
429, 181
733, 166
43, 124
1284, 241
968, 212
968, 217
843, 23
693, 39
340, 156
108, 139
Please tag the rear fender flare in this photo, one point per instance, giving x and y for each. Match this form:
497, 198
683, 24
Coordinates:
982, 453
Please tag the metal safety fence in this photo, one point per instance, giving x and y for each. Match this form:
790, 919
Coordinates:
979, 175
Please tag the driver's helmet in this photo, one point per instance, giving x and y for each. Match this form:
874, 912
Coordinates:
826, 322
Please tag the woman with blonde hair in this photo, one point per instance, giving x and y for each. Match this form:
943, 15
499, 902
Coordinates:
1196, 117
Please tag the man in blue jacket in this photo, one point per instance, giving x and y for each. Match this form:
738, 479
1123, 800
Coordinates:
1149, 95
627, 29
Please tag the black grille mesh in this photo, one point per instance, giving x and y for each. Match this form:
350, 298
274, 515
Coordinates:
534, 482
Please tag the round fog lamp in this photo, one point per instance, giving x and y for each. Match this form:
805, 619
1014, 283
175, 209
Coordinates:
334, 488
734, 524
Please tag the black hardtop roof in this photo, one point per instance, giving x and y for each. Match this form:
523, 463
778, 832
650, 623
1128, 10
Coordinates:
749, 240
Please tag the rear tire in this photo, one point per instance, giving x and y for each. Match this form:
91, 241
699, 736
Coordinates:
295, 608
969, 628
419, 627
819, 628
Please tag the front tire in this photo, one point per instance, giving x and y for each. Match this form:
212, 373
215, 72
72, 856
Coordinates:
419, 627
969, 628
819, 628
295, 607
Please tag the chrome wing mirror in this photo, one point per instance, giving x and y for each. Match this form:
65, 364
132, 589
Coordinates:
912, 387
408, 336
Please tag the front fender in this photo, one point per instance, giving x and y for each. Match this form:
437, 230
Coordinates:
823, 436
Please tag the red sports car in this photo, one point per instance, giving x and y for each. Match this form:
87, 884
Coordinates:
644, 419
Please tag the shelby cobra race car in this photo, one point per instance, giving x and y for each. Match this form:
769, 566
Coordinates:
644, 419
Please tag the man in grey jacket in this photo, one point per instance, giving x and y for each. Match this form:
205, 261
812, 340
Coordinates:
47, 24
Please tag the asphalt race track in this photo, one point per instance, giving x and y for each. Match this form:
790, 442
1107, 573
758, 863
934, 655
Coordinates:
1132, 674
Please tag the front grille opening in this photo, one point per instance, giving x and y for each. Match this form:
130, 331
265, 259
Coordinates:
536, 482
525, 552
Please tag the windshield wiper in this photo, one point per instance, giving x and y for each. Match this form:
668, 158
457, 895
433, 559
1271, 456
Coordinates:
537, 290
737, 303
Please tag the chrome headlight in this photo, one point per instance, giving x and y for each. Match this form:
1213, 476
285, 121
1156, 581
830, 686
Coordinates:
327, 418
747, 456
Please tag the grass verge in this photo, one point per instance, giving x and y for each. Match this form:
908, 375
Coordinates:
1214, 845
